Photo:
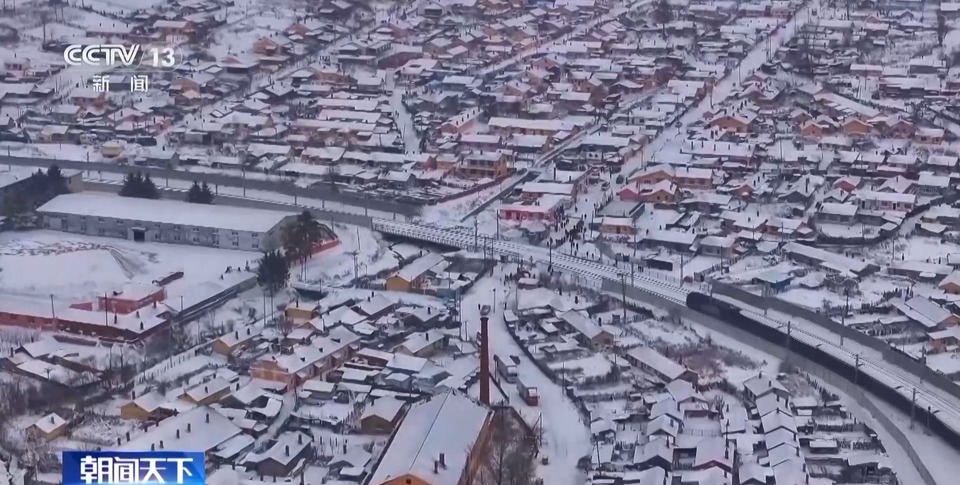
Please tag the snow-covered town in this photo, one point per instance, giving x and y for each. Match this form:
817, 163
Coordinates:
483, 242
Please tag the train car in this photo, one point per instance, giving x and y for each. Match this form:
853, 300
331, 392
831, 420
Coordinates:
712, 306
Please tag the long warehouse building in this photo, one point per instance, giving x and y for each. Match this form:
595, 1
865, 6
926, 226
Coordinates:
165, 221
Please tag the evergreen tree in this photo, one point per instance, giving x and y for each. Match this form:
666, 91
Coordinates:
15, 203
300, 235
200, 194
132, 184
194, 193
138, 185
663, 15
207, 194
273, 272
149, 190
56, 183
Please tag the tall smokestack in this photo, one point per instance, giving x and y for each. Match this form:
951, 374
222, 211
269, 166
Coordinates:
484, 362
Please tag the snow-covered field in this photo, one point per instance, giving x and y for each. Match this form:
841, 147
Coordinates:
36, 264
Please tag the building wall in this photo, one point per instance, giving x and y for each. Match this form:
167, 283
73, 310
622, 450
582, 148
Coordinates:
119, 304
396, 283
376, 425
133, 411
404, 480
165, 233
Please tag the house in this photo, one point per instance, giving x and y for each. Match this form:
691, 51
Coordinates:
759, 386
694, 178
589, 332
674, 240
717, 246
920, 270
49, 427
290, 369
653, 362
855, 127
946, 340
382, 416
480, 165
656, 454
733, 122
143, 408
933, 185
653, 175
885, 201
924, 312
207, 392
199, 429
951, 283
547, 208
827, 260
929, 135
617, 226
423, 344
412, 277
837, 213
231, 343
663, 192
282, 456
439, 442
532, 191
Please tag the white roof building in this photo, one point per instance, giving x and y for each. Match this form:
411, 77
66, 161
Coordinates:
164, 211
199, 429
433, 441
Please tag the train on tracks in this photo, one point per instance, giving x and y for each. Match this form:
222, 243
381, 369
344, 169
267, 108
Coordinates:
733, 315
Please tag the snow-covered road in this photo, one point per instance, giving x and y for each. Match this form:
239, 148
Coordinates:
593, 274
566, 437
580, 30
760, 53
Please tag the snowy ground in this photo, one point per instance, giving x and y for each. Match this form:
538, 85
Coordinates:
335, 266
36, 264
566, 438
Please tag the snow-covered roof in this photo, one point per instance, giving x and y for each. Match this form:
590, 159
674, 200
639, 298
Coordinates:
418, 341
581, 323
285, 448
447, 424
656, 361
203, 391
776, 420
658, 447
712, 449
387, 408
50, 423
759, 385
199, 429
413, 270
921, 310
164, 211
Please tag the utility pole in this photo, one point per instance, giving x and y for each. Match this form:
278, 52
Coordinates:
53, 310
476, 229
623, 291
856, 370
913, 407
846, 308
789, 329
681, 265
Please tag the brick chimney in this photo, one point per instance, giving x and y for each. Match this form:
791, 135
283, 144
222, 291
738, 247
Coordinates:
484, 362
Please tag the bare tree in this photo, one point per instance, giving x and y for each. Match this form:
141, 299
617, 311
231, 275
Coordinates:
509, 455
